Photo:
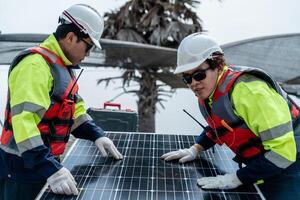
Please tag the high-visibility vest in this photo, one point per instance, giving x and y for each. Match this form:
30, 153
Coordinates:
56, 123
225, 126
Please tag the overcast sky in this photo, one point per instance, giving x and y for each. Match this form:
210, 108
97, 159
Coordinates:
229, 21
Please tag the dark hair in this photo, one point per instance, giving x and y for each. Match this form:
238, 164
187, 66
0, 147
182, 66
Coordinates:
218, 60
63, 29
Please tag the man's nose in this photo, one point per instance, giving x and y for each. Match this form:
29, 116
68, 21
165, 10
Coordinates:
193, 81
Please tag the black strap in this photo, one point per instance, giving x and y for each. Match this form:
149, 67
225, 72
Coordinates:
48, 138
296, 122
252, 142
7, 126
56, 121
53, 137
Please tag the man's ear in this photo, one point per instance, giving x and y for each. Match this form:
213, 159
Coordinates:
70, 37
220, 69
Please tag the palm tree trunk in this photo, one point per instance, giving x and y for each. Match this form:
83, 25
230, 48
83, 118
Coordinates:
146, 103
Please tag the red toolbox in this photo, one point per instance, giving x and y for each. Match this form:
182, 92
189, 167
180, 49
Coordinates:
114, 119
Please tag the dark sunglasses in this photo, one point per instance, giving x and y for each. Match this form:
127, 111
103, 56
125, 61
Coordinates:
198, 75
89, 46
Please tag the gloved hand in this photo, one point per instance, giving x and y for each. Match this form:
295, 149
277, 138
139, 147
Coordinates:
62, 182
223, 182
184, 155
104, 143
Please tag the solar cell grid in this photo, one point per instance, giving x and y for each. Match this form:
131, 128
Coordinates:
143, 175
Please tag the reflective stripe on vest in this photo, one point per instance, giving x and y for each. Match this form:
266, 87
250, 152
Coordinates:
56, 122
248, 144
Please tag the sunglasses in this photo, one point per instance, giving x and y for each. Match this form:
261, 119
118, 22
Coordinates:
89, 47
198, 75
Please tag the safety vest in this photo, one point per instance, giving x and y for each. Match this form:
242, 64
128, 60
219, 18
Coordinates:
56, 123
225, 126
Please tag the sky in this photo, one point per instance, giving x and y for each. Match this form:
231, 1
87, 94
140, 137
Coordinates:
226, 21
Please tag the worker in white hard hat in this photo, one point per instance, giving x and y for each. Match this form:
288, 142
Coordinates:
44, 107
245, 109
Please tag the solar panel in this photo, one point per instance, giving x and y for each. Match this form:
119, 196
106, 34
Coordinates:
143, 175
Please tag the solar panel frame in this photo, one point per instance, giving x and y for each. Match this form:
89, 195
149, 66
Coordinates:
143, 175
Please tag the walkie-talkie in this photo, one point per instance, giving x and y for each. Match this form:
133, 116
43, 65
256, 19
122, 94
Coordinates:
67, 108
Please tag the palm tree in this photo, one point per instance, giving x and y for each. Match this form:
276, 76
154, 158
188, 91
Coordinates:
157, 22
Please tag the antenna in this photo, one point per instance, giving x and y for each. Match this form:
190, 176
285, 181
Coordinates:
75, 82
195, 120
213, 148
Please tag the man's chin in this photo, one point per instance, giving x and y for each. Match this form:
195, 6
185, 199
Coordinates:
201, 96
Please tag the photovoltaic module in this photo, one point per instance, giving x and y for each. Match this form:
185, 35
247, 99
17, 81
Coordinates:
143, 175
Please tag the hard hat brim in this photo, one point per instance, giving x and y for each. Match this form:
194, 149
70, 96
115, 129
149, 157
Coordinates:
96, 43
188, 67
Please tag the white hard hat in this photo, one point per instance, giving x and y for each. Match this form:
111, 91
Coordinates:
87, 19
194, 50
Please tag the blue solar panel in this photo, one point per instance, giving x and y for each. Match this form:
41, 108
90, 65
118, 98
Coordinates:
143, 175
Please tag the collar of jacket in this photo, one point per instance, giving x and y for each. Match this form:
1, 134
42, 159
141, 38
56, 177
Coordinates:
52, 44
225, 68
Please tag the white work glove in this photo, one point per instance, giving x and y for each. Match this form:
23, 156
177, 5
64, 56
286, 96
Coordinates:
62, 182
104, 143
223, 182
184, 155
